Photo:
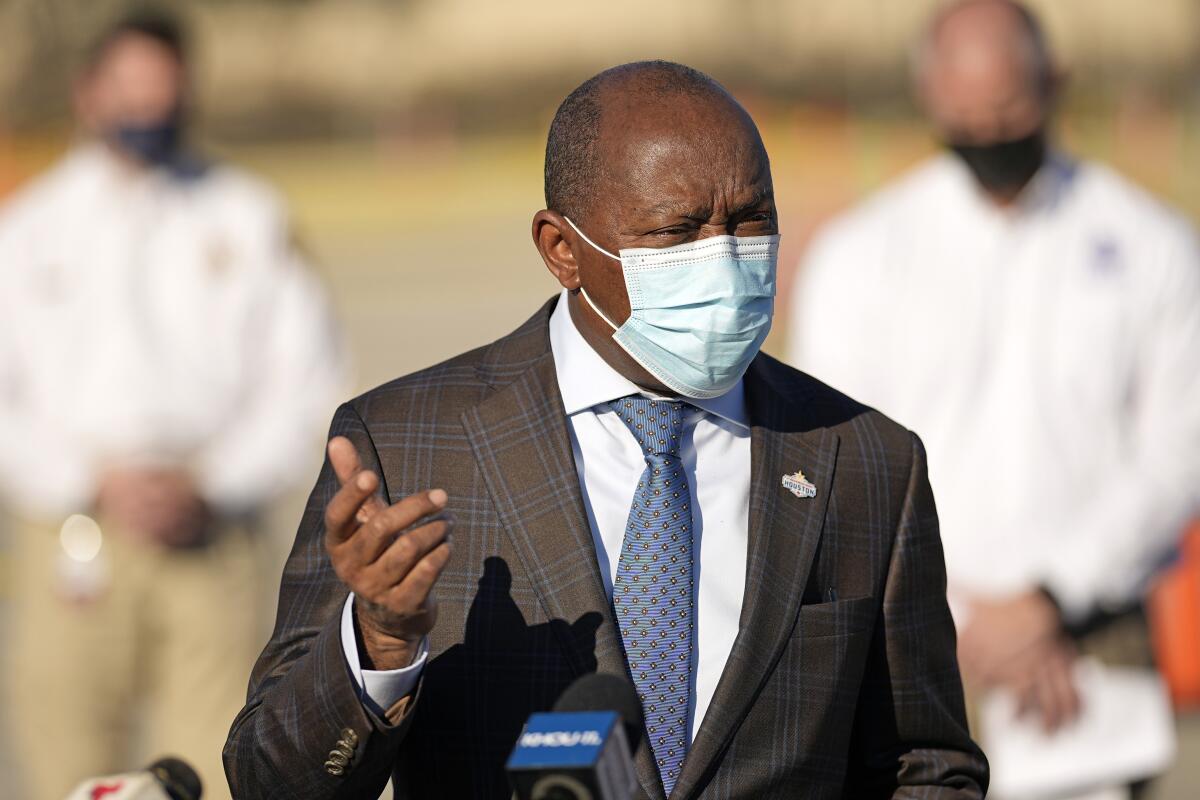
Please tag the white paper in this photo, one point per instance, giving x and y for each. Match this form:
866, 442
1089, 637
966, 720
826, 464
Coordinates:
1125, 731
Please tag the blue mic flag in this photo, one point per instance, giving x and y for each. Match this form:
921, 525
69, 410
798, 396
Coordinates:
582, 754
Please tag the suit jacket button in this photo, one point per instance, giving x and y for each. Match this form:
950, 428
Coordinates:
350, 736
334, 769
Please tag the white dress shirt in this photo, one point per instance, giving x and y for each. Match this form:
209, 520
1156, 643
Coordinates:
716, 461
1048, 355
154, 320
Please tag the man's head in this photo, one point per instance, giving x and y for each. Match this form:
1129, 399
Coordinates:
649, 154
132, 90
988, 83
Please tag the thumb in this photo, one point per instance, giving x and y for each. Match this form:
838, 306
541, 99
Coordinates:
347, 465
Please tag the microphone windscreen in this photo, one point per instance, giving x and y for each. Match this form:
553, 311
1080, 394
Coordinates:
178, 778
600, 691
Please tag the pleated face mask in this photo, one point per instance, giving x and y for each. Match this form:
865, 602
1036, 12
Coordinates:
699, 311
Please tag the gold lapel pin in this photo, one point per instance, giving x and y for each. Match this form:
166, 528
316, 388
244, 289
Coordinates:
799, 485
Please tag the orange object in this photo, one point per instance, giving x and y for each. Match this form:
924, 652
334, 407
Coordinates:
1174, 609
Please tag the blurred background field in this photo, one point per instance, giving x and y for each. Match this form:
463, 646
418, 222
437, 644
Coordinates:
407, 136
425, 241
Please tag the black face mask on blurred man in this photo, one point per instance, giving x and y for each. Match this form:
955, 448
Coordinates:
1004, 167
154, 144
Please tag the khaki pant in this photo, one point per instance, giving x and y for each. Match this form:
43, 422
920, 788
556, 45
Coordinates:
156, 664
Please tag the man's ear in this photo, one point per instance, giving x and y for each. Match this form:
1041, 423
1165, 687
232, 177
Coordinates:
550, 237
1054, 84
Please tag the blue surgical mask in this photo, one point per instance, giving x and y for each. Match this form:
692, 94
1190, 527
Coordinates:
699, 311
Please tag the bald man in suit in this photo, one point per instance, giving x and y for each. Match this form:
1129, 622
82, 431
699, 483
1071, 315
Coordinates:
811, 653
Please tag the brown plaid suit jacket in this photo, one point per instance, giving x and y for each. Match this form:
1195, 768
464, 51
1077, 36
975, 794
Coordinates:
858, 697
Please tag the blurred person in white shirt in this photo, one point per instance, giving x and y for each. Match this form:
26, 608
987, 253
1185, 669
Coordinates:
1036, 319
165, 359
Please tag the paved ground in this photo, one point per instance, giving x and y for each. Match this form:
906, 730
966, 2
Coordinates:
1183, 782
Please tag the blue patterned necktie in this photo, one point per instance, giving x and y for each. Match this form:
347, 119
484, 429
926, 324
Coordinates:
652, 593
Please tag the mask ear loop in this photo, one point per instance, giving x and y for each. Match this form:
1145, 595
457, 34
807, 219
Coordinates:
589, 241
583, 291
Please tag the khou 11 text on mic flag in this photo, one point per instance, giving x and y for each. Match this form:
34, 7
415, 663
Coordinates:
581, 753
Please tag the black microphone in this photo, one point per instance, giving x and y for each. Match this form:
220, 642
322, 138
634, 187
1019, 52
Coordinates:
583, 748
165, 779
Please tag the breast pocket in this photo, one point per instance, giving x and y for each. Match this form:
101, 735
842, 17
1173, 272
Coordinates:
839, 618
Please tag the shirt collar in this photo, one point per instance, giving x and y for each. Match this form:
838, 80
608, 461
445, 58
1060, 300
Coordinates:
586, 380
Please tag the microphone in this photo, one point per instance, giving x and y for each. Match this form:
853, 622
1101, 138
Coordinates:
165, 779
582, 749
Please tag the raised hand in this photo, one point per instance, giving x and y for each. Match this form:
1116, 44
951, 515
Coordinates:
390, 562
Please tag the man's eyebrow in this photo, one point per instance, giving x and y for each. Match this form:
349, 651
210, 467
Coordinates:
759, 197
676, 208
681, 209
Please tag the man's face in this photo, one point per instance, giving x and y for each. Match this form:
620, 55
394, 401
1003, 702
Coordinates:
684, 169
988, 91
982, 96
983, 80
673, 169
137, 83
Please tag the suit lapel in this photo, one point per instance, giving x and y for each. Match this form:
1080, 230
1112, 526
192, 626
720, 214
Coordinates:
783, 535
520, 439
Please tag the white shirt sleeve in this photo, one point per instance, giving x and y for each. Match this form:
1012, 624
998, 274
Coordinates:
379, 690
299, 373
40, 469
1129, 532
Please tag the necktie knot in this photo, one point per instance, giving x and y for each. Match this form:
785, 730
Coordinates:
656, 424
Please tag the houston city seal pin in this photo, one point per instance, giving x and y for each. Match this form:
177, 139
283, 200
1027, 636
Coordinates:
799, 485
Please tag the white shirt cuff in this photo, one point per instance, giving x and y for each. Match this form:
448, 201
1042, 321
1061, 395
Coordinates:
378, 689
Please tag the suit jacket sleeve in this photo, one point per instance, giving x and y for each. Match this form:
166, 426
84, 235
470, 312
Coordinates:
911, 738
302, 699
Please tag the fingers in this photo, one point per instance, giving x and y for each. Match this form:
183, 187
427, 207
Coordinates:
356, 501
385, 555
1046, 701
344, 458
414, 590
1051, 693
403, 556
341, 514
1074, 703
373, 557
1026, 697
347, 466
379, 532
1060, 685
